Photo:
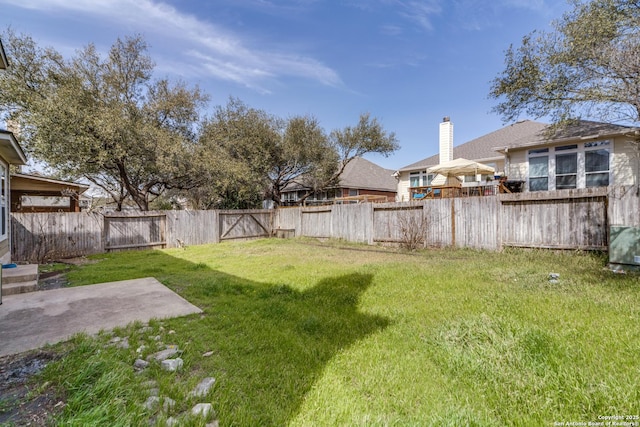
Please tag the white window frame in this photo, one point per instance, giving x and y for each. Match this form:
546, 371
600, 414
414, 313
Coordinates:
564, 150
538, 153
424, 178
580, 150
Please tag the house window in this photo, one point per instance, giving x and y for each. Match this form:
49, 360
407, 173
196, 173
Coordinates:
353, 192
596, 167
566, 171
539, 170
420, 179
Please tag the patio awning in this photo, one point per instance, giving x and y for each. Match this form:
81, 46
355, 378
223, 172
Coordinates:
460, 166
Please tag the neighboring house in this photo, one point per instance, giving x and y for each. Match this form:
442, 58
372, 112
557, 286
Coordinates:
31, 193
360, 180
582, 154
10, 154
482, 149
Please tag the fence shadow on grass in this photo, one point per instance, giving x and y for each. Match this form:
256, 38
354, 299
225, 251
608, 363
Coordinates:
270, 342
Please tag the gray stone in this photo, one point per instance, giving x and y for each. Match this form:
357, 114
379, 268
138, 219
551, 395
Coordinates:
172, 422
213, 424
207, 354
203, 388
140, 364
154, 391
151, 403
123, 344
172, 364
164, 354
168, 404
141, 349
202, 409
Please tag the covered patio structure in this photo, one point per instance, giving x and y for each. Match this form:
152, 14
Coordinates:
449, 181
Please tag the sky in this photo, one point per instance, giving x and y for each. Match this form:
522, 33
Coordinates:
409, 63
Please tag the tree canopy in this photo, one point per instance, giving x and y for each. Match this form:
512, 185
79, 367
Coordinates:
589, 65
107, 120
262, 154
104, 119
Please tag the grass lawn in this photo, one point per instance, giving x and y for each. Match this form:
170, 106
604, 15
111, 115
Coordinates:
303, 334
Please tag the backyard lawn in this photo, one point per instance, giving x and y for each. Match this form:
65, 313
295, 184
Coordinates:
306, 334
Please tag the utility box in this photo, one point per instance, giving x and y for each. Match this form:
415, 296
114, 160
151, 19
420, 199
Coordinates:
624, 247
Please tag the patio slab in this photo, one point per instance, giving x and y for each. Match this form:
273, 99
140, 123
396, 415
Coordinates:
32, 320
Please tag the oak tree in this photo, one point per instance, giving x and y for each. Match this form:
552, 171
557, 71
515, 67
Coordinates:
103, 119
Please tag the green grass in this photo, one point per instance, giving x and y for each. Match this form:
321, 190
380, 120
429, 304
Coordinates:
305, 334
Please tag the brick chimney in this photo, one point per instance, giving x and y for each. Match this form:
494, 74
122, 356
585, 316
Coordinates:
446, 140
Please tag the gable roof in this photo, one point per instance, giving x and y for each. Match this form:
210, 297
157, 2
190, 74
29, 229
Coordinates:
363, 174
484, 147
4, 62
575, 129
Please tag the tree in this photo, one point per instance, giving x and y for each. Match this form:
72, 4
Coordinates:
589, 65
368, 136
303, 154
105, 120
261, 154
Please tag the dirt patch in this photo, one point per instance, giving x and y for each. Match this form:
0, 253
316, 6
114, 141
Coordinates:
23, 401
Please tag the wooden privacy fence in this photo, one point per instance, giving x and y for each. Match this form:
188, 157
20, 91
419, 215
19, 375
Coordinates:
36, 237
567, 219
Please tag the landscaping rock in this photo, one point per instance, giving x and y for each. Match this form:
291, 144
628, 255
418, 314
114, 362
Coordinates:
203, 388
168, 404
172, 364
140, 364
152, 403
202, 409
141, 349
164, 354
172, 422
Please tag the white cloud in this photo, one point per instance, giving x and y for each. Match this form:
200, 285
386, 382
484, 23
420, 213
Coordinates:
222, 54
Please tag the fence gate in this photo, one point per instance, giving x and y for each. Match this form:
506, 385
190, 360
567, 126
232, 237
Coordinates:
246, 224
129, 232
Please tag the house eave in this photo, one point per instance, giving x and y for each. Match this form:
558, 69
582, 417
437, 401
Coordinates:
10, 150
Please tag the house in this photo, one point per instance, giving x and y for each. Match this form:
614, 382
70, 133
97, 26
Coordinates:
581, 154
10, 154
361, 180
32, 193
482, 149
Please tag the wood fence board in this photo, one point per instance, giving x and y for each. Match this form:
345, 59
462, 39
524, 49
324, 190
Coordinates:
581, 220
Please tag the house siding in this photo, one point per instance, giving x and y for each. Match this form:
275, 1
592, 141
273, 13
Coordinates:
403, 187
625, 162
5, 254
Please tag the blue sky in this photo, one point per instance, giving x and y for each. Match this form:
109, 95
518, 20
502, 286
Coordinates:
407, 62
